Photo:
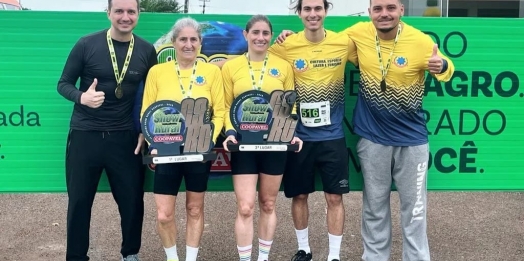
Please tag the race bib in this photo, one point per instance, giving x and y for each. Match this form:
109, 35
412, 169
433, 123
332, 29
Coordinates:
315, 114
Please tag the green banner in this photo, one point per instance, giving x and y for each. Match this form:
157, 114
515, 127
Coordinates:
474, 120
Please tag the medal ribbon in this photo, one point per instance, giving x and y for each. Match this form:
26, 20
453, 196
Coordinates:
255, 87
384, 72
120, 76
191, 79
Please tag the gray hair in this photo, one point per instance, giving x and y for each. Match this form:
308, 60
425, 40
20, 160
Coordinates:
183, 23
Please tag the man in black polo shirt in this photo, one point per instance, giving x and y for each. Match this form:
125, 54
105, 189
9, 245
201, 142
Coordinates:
110, 64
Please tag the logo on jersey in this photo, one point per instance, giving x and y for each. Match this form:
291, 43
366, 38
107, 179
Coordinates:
274, 72
400, 61
200, 80
300, 65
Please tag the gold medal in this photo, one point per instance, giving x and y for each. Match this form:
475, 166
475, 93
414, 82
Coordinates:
383, 85
119, 92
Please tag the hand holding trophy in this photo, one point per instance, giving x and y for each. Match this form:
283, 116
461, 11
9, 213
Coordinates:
178, 132
264, 122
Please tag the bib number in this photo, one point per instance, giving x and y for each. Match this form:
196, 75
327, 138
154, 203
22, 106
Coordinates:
315, 114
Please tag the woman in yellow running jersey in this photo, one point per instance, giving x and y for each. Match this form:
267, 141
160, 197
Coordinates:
184, 77
256, 70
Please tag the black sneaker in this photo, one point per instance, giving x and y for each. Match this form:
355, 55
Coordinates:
335, 260
302, 256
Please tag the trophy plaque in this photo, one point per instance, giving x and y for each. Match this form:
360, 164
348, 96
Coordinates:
264, 122
180, 132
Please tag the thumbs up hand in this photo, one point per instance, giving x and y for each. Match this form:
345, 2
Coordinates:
435, 61
92, 98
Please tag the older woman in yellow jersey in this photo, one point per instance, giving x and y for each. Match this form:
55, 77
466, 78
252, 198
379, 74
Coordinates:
272, 73
184, 77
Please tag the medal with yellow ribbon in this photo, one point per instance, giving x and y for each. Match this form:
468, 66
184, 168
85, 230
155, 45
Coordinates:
255, 87
119, 92
191, 79
384, 72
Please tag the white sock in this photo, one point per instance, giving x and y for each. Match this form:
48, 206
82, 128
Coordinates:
334, 247
303, 240
244, 253
171, 253
191, 253
263, 249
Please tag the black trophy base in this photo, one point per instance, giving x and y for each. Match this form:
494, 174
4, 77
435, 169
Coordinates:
156, 159
262, 147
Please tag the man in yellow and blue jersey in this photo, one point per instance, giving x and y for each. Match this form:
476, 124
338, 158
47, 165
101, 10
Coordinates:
318, 57
393, 58
388, 116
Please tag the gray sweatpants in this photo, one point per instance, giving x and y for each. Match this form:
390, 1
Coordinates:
407, 167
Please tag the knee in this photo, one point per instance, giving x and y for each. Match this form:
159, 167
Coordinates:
194, 209
245, 210
267, 205
334, 200
165, 215
301, 198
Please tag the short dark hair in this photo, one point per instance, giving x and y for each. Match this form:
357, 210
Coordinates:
399, 1
110, 4
258, 18
298, 6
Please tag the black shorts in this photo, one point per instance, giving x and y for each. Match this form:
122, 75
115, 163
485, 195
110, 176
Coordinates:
255, 162
168, 177
329, 158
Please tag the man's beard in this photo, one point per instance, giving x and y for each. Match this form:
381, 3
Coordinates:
386, 30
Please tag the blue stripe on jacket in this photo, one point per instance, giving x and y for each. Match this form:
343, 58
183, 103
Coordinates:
138, 107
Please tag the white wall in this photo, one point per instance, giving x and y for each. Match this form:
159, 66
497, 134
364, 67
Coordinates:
272, 7
348, 7
247, 7
65, 5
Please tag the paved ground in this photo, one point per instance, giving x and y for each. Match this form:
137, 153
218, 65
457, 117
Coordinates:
463, 226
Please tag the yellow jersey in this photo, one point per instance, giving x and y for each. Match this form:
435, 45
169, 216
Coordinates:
162, 84
393, 117
237, 80
319, 82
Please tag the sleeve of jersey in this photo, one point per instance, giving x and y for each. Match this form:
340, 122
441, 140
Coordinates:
150, 91
352, 52
278, 50
289, 84
228, 98
449, 67
217, 94
353, 31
